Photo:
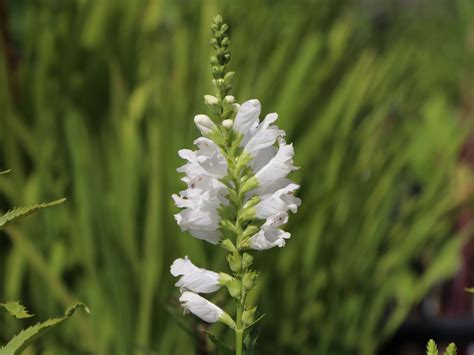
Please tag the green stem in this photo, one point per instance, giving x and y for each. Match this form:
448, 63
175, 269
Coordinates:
239, 332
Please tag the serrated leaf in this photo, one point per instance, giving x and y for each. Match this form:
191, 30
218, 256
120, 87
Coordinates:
19, 212
21, 341
15, 309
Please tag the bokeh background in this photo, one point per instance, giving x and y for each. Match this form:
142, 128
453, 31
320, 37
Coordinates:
97, 96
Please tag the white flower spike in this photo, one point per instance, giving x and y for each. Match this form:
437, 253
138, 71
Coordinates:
237, 187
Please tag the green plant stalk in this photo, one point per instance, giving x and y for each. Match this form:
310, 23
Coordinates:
239, 332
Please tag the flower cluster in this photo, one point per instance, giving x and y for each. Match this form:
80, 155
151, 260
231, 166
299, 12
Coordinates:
238, 194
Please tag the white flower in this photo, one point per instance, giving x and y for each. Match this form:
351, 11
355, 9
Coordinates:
205, 193
194, 278
256, 136
272, 175
201, 307
247, 116
281, 200
206, 161
204, 124
199, 215
270, 235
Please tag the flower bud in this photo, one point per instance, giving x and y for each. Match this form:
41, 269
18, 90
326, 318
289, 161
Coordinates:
248, 281
225, 279
211, 100
227, 124
247, 260
230, 75
248, 316
229, 99
204, 124
228, 245
235, 289
235, 262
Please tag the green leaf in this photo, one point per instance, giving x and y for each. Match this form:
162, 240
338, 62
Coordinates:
19, 212
251, 338
431, 348
469, 289
21, 341
5, 172
15, 309
220, 345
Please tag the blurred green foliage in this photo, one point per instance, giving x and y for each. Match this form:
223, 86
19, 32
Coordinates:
102, 96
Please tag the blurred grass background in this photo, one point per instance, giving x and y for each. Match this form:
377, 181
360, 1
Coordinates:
96, 98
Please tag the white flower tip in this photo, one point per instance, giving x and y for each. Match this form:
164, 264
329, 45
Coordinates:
227, 124
229, 99
253, 102
180, 266
236, 107
211, 100
204, 123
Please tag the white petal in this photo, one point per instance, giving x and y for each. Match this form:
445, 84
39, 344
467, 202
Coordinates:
204, 124
200, 307
247, 116
278, 167
264, 136
268, 238
263, 157
193, 278
280, 201
182, 267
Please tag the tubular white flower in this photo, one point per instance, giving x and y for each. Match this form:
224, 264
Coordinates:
201, 307
194, 278
281, 200
204, 124
205, 192
199, 215
270, 235
272, 176
247, 116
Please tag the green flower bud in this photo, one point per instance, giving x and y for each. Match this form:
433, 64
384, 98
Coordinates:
214, 60
249, 316
235, 262
248, 214
249, 185
225, 279
248, 281
229, 226
243, 160
230, 75
235, 289
228, 245
247, 260
225, 42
